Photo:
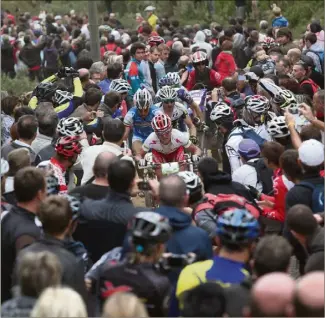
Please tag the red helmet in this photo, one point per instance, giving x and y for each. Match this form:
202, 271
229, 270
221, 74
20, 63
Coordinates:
68, 146
268, 42
161, 123
199, 57
155, 40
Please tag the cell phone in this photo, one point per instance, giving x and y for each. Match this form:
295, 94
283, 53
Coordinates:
293, 111
144, 186
176, 260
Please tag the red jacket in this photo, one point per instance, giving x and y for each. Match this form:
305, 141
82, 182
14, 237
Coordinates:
215, 79
110, 47
225, 64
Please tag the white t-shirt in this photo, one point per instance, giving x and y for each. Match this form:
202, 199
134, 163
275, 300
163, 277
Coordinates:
247, 176
178, 139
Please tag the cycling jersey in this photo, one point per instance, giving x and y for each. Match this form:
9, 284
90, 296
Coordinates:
144, 280
141, 127
178, 139
134, 75
58, 171
176, 156
220, 270
184, 96
179, 114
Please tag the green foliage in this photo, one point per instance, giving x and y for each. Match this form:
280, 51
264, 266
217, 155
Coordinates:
17, 86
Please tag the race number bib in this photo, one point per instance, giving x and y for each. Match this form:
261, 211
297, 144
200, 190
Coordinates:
169, 168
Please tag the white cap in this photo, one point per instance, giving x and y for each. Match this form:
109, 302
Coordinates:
150, 8
116, 34
311, 153
57, 17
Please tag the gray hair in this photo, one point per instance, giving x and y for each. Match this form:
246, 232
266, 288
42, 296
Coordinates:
172, 190
97, 67
47, 118
264, 25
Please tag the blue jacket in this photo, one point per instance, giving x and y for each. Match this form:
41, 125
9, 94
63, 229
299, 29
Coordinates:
186, 238
281, 22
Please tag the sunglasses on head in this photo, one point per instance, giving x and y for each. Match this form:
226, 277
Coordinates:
168, 101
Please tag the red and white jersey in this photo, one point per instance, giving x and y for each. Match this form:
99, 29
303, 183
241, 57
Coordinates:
178, 139
58, 171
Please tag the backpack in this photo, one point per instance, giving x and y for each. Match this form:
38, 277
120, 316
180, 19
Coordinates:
220, 203
250, 134
320, 55
264, 175
317, 195
314, 86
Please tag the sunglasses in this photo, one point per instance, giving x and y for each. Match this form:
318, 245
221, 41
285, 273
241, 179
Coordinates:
168, 101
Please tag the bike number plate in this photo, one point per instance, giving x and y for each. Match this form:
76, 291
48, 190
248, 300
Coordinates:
169, 168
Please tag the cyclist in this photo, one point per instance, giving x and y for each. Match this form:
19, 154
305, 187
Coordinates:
167, 144
122, 87
193, 185
237, 230
202, 74
64, 102
67, 150
139, 118
176, 111
279, 131
172, 79
138, 274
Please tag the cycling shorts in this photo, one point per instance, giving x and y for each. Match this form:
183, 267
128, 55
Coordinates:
175, 156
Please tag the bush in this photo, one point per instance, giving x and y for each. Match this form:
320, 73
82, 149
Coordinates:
17, 86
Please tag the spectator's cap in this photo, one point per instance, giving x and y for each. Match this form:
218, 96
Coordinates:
307, 60
58, 17
311, 153
257, 71
149, 8
249, 149
284, 32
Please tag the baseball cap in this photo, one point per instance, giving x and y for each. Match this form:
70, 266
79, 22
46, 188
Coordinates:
249, 149
311, 153
58, 17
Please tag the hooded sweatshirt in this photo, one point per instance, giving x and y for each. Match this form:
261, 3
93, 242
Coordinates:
316, 52
199, 41
186, 238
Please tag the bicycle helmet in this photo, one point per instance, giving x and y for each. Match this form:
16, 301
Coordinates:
120, 86
45, 90
4, 167
142, 99
199, 57
167, 93
165, 81
221, 112
237, 226
284, 99
249, 149
277, 127
75, 204
149, 227
155, 40
268, 42
257, 104
52, 185
70, 127
175, 78
68, 146
161, 123
62, 97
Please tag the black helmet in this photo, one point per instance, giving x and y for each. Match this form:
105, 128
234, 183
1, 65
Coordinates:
149, 228
45, 90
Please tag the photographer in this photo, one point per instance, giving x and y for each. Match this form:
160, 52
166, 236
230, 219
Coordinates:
149, 232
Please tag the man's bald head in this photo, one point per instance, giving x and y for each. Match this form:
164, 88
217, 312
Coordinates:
183, 60
294, 55
172, 191
272, 296
102, 162
309, 295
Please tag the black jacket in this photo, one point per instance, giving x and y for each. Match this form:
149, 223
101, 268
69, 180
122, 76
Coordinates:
315, 249
18, 222
220, 182
7, 58
30, 54
72, 270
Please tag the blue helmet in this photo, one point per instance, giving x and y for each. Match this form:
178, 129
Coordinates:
75, 203
237, 227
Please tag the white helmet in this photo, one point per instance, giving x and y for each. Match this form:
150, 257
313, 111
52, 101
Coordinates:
71, 126
142, 98
191, 180
284, 99
167, 93
257, 104
207, 32
277, 127
220, 111
175, 77
119, 85
4, 167
62, 97
198, 57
